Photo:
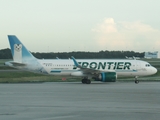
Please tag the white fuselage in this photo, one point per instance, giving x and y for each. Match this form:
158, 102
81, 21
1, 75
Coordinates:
123, 67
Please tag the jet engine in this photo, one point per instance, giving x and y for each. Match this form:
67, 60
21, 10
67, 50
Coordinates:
107, 77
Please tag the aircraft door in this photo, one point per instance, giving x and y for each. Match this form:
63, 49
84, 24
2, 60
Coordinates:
138, 65
135, 67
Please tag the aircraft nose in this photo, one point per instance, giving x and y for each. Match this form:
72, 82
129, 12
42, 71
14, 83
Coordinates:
154, 70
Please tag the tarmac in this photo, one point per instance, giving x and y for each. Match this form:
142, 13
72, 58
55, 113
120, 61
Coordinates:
76, 101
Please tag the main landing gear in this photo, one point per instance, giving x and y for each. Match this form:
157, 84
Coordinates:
136, 81
86, 81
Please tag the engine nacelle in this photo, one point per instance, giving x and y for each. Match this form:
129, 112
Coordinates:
107, 77
78, 73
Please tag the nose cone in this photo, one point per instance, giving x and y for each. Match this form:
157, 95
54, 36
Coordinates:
154, 70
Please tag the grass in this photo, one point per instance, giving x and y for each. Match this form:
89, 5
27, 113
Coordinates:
35, 79
2, 61
18, 74
27, 77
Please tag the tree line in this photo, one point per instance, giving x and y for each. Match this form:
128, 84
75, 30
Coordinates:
6, 54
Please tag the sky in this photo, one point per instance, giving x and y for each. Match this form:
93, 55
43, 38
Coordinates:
81, 25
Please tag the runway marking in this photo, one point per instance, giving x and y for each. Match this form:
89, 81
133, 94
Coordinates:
61, 117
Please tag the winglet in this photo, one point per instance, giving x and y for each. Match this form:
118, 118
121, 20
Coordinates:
75, 62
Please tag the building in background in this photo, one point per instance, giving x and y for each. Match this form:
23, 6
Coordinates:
151, 55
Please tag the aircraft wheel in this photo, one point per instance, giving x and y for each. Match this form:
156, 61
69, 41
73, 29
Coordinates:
88, 81
83, 81
136, 81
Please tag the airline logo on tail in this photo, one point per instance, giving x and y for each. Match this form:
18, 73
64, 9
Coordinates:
18, 47
17, 53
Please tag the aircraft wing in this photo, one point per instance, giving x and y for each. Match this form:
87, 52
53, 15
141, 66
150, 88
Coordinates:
88, 70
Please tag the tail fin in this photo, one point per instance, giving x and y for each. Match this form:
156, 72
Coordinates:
19, 52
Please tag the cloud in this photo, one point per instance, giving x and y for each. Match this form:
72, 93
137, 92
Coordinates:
108, 26
136, 36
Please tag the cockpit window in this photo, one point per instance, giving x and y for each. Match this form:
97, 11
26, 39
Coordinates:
148, 65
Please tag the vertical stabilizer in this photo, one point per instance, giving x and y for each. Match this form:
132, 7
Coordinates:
19, 52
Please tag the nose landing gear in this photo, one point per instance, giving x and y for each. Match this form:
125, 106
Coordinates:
136, 81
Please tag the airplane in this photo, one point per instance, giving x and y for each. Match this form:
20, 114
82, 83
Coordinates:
105, 70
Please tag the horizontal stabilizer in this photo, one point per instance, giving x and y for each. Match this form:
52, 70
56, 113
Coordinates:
17, 64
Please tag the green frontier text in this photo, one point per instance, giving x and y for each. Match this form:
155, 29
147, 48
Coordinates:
106, 65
